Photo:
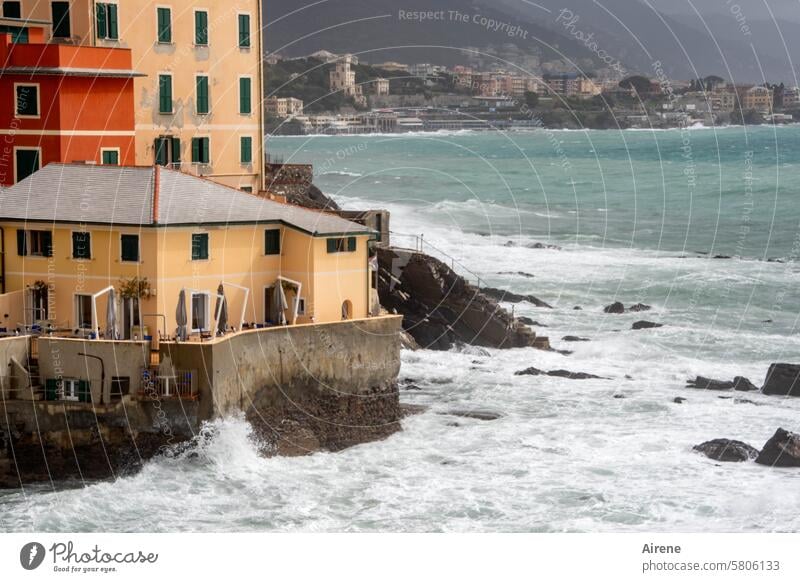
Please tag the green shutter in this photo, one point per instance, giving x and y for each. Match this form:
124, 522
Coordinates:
272, 241
205, 154
202, 95
161, 151
196, 150
110, 158
81, 245
245, 98
51, 389
165, 93
176, 150
164, 25
332, 245
351, 244
22, 243
113, 32
199, 246
84, 391
246, 150
47, 243
102, 25
244, 30
201, 28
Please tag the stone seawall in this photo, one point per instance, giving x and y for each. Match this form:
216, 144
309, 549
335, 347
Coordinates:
305, 387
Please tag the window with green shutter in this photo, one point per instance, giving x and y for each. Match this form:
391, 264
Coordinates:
165, 93
245, 95
272, 241
200, 150
51, 389
200, 246
201, 27
342, 245
110, 157
161, 153
81, 245
84, 391
129, 247
351, 244
164, 25
106, 24
244, 31
246, 143
202, 94
176, 151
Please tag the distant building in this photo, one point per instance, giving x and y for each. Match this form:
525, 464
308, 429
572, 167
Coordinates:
284, 106
393, 66
343, 79
791, 97
757, 98
571, 85
381, 86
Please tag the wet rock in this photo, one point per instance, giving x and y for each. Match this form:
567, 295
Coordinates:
640, 307
739, 383
646, 325
727, 450
782, 380
721, 257
577, 308
511, 297
615, 307
782, 450
532, 371
518, 273
575, 338
538, 245
620, 396
563, 352
411, 387
476, 414
411, 409
407, 341
529, 321
679, 400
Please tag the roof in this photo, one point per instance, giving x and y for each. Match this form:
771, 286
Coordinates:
151, 196
71, 72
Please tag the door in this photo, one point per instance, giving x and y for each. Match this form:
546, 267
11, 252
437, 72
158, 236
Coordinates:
27, 162
269, 305
200, 305
83, 311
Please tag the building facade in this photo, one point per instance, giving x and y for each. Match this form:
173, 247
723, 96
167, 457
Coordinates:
284, 106
114, 227
198, 105
63, 103
342, 79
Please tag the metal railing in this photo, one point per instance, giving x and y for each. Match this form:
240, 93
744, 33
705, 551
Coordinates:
182, 385
421, 245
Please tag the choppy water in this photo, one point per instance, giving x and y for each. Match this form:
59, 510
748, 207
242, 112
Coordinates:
628, 209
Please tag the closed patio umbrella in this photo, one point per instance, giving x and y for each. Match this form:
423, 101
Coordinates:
280, 303
111, 316
221, 309
181, 318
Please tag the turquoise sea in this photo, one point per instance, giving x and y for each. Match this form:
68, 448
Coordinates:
637, 216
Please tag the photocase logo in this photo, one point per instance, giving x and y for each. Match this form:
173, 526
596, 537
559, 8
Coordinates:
31, 555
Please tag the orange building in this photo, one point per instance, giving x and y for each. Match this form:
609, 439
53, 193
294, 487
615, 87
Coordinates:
63, 103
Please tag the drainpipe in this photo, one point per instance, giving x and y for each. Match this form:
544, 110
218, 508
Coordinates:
102, 373
2, 260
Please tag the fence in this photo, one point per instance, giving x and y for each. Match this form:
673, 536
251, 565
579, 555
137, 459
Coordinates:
420, 245
181, 385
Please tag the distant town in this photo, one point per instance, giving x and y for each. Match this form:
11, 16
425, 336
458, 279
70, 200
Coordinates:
327, 93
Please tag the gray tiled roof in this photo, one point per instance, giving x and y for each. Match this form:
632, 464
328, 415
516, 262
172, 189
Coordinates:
122, 195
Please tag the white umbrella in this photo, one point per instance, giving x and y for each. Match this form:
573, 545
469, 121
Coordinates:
280, 303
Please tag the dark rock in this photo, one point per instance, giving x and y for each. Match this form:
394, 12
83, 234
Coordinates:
679, 400
640, 307
782, 450
441, 309
620, 396
476, 414
529, 321
782, 380
721, 257
615, 307
511, 297
411, 409
557, 373
646, 325
727, 450
411, 387
519, 273
742, 384
578, 308
575, 338
539, 245
739, 383
563, 352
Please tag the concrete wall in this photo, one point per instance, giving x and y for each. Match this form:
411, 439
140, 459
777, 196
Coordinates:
11, 347
58, 358
12, 309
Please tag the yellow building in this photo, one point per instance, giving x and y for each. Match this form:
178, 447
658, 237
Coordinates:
198, 107
72, 232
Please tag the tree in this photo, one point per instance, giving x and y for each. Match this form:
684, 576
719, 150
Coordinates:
712, 81
638, 83
531, 99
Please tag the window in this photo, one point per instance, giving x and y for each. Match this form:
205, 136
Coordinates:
272, 241
12, 10
200, 150
164, 17
244, 31
110, 157
165, 93
129, 247
27, 162
202, 94
167, 150
201, 27
107, 26
246, 150
60, 13
200, 305
35, 243
248, 189
120, 386
245, 95
301, 306
200, 246
342, 245
70, 389
27, 100
83, 311
81, 245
